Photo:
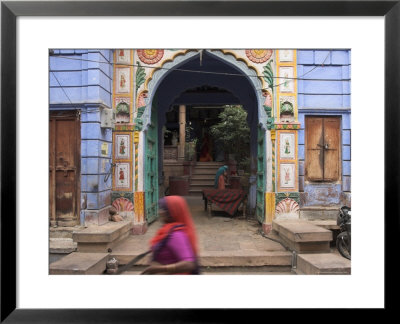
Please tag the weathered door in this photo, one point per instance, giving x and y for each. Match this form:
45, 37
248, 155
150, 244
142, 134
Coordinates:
323, 149
260, 174
64, 155
151, 170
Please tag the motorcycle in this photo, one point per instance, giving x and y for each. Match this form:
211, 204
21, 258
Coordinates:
343, 240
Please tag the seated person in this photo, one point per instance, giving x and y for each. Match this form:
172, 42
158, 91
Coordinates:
220, 177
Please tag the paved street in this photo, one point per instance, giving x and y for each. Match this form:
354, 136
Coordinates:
231, 243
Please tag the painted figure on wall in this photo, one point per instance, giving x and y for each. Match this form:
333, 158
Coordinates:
121, 175
287, 146
122, 147
287, 175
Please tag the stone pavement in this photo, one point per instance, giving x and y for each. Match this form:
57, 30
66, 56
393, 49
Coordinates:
230, 243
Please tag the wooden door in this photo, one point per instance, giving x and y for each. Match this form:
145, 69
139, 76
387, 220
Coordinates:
323, 149
64, 155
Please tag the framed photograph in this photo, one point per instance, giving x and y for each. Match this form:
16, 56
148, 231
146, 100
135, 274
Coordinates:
29, 294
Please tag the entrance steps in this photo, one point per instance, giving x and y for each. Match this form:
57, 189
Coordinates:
302, 236
322, 264
103, 238
224, 262
78, 263
87, 252
203, 177
310, 243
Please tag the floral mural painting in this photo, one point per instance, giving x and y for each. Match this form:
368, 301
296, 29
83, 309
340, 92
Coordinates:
259, 55
140, 76
150, 56
269, 75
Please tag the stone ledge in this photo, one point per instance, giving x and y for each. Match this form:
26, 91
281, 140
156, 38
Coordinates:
80, 263
322, 263
106, 233
301, 231
62, 245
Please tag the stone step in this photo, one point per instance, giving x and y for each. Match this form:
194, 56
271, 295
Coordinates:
322, 263
80, 264
62, 245
205, 171
273, 259
216, 164
63, 232
256, 270
302, 236
201, 182
319, 212
102, 238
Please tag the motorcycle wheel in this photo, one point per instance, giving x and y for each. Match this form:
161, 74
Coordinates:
343, 245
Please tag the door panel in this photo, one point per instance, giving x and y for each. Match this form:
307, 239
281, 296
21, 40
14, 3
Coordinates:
332, 151
314, 152
151, 170
64, 160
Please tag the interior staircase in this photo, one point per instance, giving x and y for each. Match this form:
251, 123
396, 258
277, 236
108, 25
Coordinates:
203, 177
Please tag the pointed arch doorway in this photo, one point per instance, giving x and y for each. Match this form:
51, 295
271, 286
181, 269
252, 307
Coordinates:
239, 84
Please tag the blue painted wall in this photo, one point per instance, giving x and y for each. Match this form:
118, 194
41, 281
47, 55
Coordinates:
329, 95
83, 81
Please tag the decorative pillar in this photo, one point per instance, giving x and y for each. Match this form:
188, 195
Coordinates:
287, 126
182, 132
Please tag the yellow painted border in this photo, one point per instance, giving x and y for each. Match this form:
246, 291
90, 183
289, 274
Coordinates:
131, 151
279, 93
294, 161
114, 188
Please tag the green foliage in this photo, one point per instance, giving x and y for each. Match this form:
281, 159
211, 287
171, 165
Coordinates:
268, 74
140, 76
233, 132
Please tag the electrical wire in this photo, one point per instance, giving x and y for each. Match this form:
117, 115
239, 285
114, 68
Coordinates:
204, 72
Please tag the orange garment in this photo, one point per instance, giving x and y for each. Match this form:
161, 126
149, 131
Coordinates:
221, 182
179, 212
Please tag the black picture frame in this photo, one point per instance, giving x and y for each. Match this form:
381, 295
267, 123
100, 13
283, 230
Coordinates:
10, 10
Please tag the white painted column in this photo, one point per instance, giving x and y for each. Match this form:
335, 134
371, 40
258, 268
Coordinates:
182, 126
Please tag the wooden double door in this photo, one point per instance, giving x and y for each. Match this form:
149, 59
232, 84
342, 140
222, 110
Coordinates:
64, 166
